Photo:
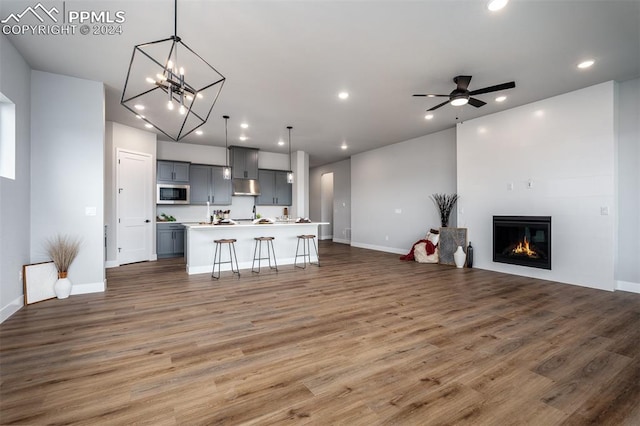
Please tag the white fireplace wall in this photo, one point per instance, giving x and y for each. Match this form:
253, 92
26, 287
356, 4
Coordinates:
555, 157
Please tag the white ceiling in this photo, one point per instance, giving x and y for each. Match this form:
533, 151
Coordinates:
286, 61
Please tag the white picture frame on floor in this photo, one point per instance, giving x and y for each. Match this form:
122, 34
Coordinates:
38, 280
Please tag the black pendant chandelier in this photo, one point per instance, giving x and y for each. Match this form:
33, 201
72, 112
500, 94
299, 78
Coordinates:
170, 86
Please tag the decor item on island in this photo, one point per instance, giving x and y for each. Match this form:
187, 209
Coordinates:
63, 250
459, 257
170, 90
450, 239
445, 203
469, 256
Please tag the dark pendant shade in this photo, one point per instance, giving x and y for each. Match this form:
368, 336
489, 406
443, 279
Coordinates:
171, 87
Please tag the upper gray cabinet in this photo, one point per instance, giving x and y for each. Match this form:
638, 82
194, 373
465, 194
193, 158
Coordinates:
274, 188
244, 162
208, 185
172, 172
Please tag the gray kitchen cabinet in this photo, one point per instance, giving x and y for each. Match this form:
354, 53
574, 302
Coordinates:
172, 171
208, 185
169, 240
244, 162
274, 188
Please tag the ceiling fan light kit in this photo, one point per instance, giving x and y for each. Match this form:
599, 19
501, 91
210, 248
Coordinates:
176, 87
462, 96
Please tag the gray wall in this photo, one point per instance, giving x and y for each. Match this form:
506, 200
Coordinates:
341, 198
14, 194
390, 190
67, 172
628, 175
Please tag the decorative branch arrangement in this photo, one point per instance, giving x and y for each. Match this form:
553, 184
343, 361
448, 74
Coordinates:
63, 250
445, 203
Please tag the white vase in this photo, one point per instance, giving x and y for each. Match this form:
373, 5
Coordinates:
459, 256
62, 286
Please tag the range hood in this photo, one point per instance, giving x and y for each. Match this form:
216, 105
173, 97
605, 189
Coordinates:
245, 187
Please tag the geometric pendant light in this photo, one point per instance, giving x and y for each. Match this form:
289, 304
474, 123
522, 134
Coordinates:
170, 86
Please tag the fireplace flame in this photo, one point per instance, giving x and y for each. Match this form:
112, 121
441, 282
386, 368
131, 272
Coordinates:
524, 248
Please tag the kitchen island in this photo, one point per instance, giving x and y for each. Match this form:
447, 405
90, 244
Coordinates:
200, 247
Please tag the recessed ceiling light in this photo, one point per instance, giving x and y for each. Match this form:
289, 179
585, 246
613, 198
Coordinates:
148, 126
586, 64
138, 116
343, 146
343, 95
501, 98
199, 132
428, 117
539, 113
495, 5
244, 125
243, 138
280, 142
139, 107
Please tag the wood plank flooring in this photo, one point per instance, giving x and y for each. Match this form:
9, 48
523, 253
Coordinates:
365, 339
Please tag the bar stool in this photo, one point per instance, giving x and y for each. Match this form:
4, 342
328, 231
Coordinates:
258, 249
218, 254
306, 251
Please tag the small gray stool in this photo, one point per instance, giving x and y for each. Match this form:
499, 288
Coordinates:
217, 257
306, 251
258, 249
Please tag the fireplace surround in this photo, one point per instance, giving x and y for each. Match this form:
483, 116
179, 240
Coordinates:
522, 240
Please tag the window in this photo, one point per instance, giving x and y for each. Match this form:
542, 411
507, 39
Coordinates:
7, 138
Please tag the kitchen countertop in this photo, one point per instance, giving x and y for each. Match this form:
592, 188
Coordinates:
201, 225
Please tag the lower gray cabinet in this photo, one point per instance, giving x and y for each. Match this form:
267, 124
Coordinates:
274, 188
169, 239
208, 185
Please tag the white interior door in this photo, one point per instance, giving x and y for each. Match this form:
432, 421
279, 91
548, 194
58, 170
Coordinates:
135, 204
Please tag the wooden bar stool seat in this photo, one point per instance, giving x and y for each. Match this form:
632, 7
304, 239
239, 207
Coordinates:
306, 251
257, 253
217, 257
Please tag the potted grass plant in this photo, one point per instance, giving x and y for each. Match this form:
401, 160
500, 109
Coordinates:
444, 203
62, 250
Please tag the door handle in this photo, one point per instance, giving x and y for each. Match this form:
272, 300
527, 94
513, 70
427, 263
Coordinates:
147, 221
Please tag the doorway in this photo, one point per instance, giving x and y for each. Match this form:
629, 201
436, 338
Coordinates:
134, 206
326, 206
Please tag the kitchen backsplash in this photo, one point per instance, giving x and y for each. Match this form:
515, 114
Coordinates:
241, 208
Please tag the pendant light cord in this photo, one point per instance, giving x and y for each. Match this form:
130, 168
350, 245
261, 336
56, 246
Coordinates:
226, 143
175, 18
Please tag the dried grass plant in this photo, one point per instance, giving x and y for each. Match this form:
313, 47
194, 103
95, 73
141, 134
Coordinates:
62, 249
445, 203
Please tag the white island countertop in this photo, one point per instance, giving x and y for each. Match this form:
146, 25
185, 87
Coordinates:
200, 247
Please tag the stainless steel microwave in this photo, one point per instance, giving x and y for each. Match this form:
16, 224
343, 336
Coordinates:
172, 194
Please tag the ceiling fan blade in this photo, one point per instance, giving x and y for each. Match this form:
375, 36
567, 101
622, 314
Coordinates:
462, 81
430, 95
476, 102
495, 88
438, 106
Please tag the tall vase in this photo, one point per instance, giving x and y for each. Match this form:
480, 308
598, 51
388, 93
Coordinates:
459, 257
62, 286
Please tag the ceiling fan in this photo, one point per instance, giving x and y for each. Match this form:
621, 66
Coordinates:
461, 95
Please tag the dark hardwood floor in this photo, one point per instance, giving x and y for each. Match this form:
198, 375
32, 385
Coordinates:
365, 339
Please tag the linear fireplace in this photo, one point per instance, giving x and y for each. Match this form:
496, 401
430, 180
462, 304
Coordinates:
522, 240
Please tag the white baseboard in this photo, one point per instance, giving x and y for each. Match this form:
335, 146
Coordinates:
13, 307
628, 286
380, 248
341, 241
88, 288
111, 264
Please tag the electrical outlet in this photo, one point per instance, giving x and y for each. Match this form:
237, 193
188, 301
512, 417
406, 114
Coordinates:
20, 275
386, 238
